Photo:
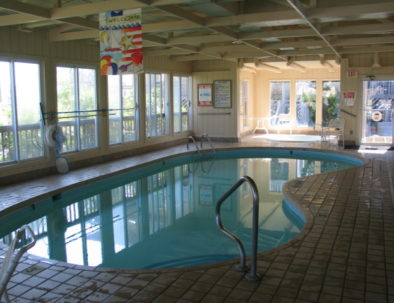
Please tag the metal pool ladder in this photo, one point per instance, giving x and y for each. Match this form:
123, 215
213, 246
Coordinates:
203, 136
11, 259
251, 275
208, 139
193, 140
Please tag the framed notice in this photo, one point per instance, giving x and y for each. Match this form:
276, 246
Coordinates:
204, 94
348, 98
222, 93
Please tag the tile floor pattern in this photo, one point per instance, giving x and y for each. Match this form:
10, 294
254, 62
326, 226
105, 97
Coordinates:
345, 254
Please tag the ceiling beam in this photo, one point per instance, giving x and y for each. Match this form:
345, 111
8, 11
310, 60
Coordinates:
81, 22
325, 63
193, 39
291, 63
184, 14
230, 7
363, 41
379, 28
361, 10
194, 57
270, 68
75, 35
24, 8
167, 26
301, 11
17, 19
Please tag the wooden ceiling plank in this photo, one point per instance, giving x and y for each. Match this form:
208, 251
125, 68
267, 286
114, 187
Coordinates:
253, 17
16, 19
359, 29
82, 22
183, 14
77, 35
93, 8
351, 10
300, 10
230, 7
168, 26
264, 66
363, 41
199, 39
25, 8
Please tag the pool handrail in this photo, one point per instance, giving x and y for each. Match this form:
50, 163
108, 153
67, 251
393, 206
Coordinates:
208, 139
11, 259
192, 139
252, 274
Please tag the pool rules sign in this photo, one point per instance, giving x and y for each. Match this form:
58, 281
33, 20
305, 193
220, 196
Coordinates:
121, 42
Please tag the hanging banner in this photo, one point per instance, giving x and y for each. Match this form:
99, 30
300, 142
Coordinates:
121, 42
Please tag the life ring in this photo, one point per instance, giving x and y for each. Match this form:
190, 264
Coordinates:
52, 134
376, 116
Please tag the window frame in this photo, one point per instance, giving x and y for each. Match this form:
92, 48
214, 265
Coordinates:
122, 116
274, 119
14, 107
76, 89
190, 107
164, 93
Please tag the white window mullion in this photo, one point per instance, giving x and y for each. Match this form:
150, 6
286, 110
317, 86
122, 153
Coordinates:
77, 120
121, 103
15, 127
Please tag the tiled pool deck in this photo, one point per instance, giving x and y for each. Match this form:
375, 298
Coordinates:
345, 253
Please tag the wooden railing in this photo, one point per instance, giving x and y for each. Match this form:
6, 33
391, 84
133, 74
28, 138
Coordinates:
31, 143
30, 136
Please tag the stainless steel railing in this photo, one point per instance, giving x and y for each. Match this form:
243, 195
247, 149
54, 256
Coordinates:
252, 274
208, 139
12, 257
193, 140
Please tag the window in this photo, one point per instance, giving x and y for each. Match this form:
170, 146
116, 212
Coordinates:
156, 89
20, 127
331, 95
122, 103
306, 103
280, 100
77, 107
244, 102
182, 108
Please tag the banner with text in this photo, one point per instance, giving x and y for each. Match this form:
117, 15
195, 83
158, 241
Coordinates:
121, 42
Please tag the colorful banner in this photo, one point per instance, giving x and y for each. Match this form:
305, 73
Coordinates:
121, 42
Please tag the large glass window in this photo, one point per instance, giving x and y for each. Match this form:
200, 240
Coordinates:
20, 127
331, 97
280, 100
182, 108
306, 103
77, 107
243, 110
156, 89
122, 104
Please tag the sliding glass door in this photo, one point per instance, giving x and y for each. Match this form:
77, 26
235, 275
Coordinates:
378, 112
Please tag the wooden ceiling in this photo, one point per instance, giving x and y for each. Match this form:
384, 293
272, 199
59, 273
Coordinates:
263, 32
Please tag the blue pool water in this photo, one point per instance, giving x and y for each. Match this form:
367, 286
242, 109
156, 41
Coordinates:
162, 215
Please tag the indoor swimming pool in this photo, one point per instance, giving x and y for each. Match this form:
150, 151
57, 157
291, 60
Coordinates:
163, 215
